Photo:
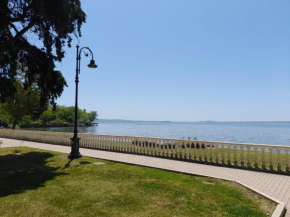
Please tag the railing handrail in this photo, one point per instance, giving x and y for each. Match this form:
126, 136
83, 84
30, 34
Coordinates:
186, 140
271, 158
160, 138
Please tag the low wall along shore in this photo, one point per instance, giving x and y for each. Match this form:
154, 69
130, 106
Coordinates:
267, 158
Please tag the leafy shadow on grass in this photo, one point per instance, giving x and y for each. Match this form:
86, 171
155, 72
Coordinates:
25, 171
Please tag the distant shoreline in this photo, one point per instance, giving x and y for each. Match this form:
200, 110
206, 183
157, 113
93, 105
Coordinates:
123, 120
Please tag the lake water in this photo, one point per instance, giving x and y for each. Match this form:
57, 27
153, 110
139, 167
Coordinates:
275, 133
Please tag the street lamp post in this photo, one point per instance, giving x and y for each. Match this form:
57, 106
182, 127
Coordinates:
75, 153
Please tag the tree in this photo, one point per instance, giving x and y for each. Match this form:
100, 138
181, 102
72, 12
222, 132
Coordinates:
22, 103
4, 117
37, 112
52, 22
92, 116
47, 116
87, 118
66, 113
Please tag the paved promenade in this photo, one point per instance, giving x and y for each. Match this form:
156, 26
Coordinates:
274, 186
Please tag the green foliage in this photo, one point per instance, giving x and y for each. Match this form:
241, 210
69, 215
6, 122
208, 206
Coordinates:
4, 117
63, 116
59, 123
66, 113
47, 116
37, 112
86, 118
21, 22
26, 121
23, 102
24, 108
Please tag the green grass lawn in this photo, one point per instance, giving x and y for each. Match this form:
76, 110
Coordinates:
42, 183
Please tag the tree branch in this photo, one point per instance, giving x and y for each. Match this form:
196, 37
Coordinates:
20, 33
20, 18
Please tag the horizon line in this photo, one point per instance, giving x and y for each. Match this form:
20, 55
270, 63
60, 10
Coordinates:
115, 119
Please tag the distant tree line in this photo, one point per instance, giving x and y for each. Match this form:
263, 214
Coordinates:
44, 116
24, 109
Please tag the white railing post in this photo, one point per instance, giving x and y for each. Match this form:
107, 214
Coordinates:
151, 146
242, 156
199, 151
171, 148
190, 150
114, 145
223, 154
104, 143
249, 156
256, 164
205, 152
110, 139
235, 156
130, 146
134, 145
148, 145
119, 144
263, 159
167, 148
217, 153
155, 146
180, 149
278, 159
176, 149
159, 147
210, 154
195, 151
229, 155
286, 159
99, 142
140, 145
125, 145
185, 150
162, 147
271, 159
143, 146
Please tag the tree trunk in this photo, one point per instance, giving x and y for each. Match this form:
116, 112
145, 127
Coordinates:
14, 124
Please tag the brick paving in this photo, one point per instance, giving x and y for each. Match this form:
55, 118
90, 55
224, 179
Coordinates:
274, 186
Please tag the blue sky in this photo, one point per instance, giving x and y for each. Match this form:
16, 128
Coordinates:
188, 60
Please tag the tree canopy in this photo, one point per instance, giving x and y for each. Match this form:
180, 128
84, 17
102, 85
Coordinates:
32, 36
23, 102
24, 111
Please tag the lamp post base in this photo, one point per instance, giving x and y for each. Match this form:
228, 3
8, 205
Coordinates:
74, 156
75, 153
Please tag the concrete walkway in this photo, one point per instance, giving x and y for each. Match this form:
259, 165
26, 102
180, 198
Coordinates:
276, 187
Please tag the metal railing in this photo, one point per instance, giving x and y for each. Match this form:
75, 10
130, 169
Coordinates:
270, 158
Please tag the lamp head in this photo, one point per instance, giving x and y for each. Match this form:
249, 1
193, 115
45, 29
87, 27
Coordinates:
92, 64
